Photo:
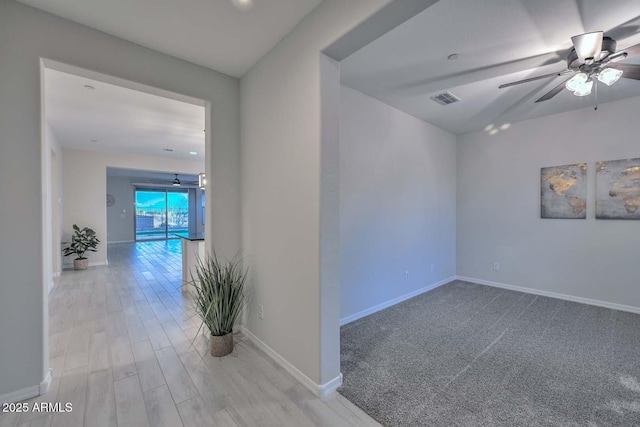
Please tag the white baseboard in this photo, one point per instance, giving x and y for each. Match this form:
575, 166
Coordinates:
533, 291
386, 304
20, 395
46, 382
320, 390
50, 287
28, 392
91, 264
98, 263
56, 274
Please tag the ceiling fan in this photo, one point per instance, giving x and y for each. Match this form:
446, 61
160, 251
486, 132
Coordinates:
593, 58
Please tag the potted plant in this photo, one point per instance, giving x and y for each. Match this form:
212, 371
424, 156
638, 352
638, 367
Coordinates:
83, 240
220, 296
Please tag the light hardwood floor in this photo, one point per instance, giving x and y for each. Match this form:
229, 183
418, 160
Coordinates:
121, 353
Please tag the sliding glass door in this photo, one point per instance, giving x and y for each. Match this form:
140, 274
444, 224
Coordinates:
178, 212
160, 213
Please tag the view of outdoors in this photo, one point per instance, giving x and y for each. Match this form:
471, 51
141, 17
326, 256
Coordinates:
161, 213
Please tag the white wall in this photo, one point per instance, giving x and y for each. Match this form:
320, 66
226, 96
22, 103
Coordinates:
120, 216
85, 188
26, 35
282, 138
499, 206
397, 203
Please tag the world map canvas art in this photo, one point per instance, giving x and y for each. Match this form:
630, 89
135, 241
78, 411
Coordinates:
563, 192
618, 189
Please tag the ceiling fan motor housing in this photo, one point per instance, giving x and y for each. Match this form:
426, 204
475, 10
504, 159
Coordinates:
608, 48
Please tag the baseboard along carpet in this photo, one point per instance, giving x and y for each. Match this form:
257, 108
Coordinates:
473, 355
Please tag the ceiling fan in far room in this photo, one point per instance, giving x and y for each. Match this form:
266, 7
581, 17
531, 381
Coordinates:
593, 58
177, 182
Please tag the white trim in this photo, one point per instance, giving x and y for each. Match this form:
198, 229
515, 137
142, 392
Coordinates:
330, 386
46, 382
320, 390
28, 392
121, 241
386, 304
91, 264
50, 287
20, 395
573, 298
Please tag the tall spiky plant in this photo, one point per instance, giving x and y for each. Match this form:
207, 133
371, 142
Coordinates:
220, 292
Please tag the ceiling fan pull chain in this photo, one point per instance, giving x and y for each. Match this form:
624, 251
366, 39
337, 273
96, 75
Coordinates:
596, 89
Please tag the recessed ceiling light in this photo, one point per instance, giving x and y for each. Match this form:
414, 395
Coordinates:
242, 4
89, 87
168, 149
193, 153
488, 128
505, 126
453, 56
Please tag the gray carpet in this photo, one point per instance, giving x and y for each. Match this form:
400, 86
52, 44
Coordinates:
472, 355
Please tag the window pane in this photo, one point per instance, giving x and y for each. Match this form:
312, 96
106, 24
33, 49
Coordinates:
178, 212
151, 210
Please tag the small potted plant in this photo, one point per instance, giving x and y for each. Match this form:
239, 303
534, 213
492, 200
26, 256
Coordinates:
83, 240
220, 296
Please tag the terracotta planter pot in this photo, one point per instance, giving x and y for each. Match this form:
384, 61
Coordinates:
222, 345
81, 264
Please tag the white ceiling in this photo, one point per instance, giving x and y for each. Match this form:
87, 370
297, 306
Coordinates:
122, 120
212, 33
498, 41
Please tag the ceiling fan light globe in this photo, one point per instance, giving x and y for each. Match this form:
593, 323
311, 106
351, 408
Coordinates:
609, 76
584, 89
576, 81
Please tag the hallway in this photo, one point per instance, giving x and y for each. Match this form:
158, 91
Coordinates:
121, 354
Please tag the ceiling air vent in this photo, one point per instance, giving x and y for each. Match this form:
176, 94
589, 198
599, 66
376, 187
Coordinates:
445, 98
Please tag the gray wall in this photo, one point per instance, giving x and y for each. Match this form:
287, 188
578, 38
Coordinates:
282, 163
26, 35
120, 216
397, 203
499, 206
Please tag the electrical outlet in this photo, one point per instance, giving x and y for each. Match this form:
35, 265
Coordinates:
496, 266
433, 268
260, 311
406, 275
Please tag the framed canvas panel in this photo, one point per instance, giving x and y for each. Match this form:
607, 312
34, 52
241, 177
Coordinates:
618, 189
563, 191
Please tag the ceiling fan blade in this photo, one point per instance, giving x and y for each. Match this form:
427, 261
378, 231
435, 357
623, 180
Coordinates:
588, 45
625, 29
553, 92
632, 50
629, 71
532, 79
